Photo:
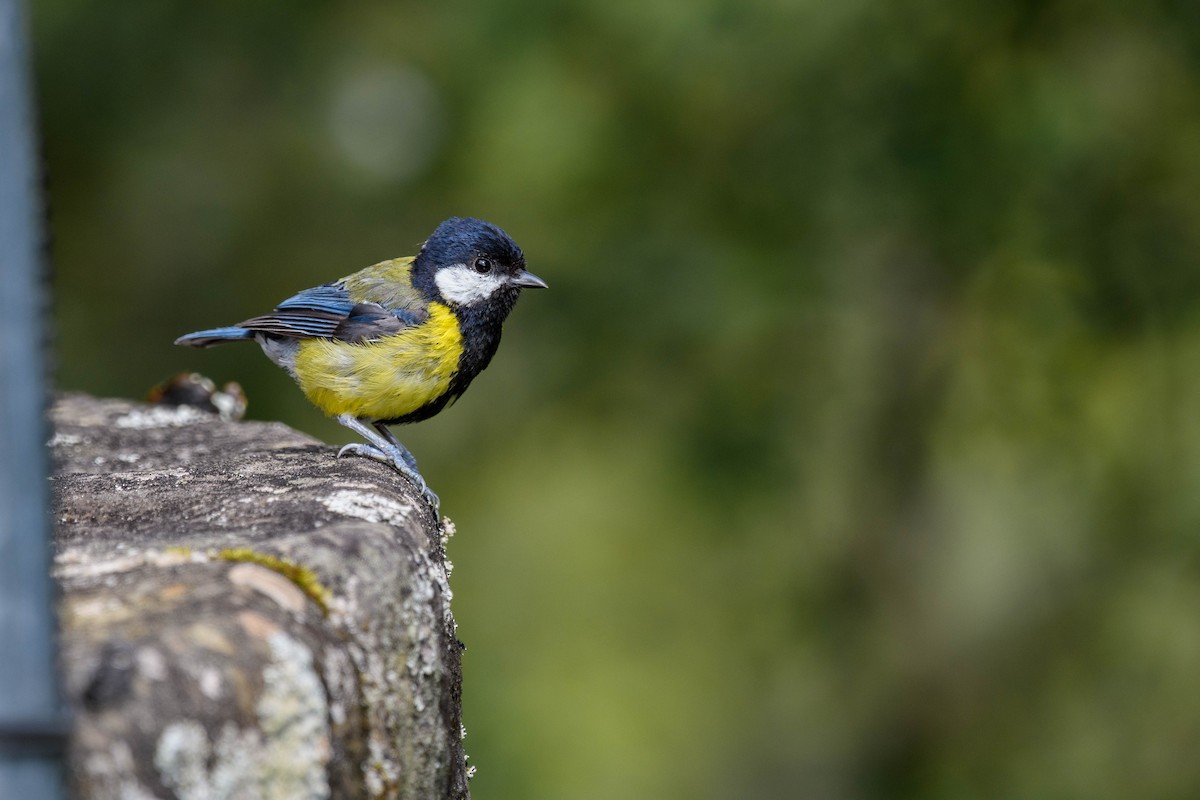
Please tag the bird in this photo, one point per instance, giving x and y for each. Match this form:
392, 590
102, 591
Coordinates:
396, 342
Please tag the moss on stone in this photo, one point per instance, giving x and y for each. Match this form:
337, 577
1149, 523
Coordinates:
302, 576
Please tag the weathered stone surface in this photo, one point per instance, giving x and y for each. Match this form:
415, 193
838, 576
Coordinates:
245, 616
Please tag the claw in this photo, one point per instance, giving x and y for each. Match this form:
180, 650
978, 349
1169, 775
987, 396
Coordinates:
432, 498
364, 450
395, 460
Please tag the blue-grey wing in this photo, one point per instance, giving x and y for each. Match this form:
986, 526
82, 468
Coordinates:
328, 312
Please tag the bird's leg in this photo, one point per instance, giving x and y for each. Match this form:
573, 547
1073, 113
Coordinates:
391, 437
385, 448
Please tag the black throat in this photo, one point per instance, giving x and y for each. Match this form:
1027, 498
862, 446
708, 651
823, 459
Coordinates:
481, 326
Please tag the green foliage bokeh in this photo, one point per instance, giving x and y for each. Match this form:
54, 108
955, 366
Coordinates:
854, 451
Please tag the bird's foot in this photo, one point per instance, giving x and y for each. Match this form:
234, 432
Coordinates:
395, 459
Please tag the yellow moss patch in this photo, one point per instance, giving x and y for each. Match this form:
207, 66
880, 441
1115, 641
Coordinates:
303, 577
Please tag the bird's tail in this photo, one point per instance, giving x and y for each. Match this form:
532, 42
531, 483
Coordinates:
214, 336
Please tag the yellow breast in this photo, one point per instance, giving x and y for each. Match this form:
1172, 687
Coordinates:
383, 379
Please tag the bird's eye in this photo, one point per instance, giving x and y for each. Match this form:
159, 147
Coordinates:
483, 265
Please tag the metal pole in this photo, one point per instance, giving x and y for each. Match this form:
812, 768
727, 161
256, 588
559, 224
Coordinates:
32, 728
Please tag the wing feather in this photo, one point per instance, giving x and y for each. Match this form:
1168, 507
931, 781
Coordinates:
329, 312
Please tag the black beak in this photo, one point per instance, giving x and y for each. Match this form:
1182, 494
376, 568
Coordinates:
527, 280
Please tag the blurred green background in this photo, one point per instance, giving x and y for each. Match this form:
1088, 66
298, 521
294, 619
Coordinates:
854, 451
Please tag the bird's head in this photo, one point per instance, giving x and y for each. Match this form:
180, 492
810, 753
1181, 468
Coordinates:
469, 262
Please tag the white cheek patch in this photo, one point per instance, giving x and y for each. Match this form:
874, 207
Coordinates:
462, 285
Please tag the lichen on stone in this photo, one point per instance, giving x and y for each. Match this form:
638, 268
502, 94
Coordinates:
161, 417
285, 758
368, 506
